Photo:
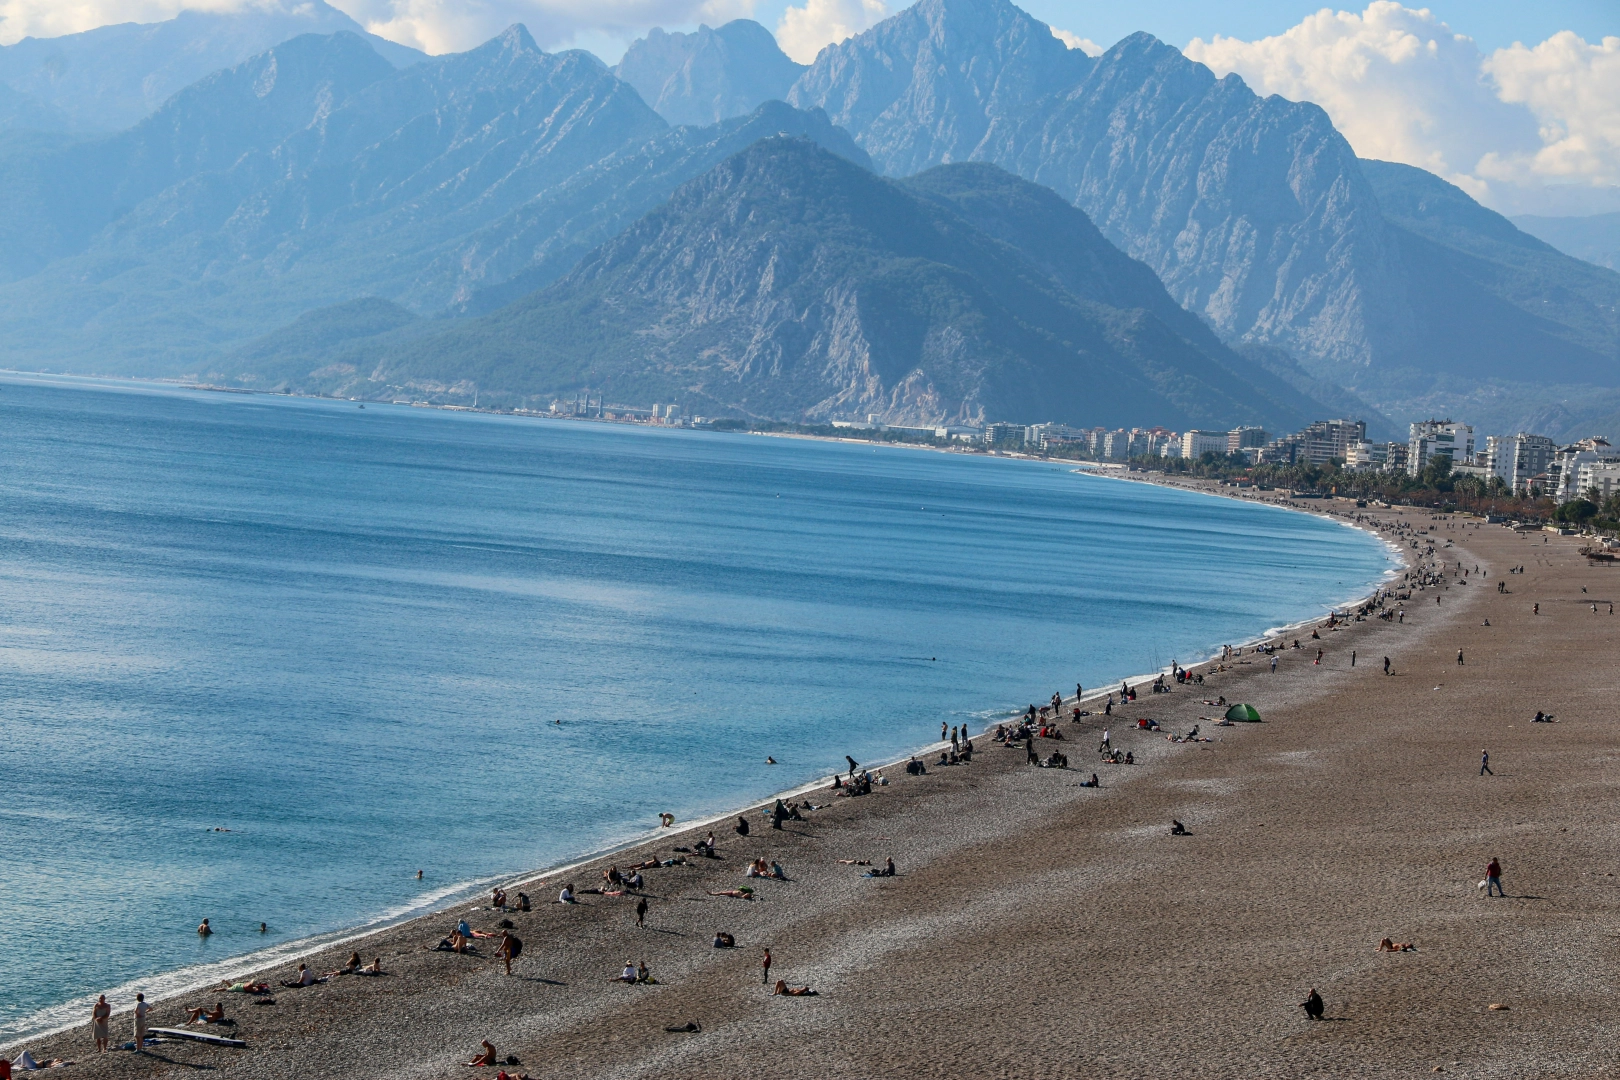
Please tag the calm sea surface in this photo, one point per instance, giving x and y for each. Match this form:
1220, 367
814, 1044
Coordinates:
346, 636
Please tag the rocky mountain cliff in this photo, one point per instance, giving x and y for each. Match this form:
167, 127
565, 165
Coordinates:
943, 81
1251, 210
790, 282
1254, 211
710, 75
110, 78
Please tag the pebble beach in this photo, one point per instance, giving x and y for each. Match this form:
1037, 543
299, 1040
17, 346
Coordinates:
1037, 927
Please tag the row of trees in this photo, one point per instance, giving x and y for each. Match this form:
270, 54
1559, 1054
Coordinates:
1433, 487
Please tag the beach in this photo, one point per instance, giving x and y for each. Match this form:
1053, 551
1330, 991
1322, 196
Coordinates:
1037, 927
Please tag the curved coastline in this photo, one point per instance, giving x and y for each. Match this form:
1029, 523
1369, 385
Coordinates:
166, 986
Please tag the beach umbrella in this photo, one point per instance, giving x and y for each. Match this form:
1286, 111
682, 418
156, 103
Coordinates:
1244, 713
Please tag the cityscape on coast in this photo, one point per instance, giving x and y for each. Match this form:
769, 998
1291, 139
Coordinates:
1523, 465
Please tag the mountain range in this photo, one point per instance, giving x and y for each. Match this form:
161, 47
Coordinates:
354, 203
112, 77
790, 281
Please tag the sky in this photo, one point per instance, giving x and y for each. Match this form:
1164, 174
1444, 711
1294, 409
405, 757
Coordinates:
1517, 102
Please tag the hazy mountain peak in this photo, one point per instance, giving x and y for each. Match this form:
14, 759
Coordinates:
514, 38
710, 74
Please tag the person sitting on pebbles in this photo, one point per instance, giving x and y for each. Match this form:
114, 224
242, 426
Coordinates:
201, 1015
487, 1057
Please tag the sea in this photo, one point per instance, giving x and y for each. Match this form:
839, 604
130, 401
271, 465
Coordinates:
263, 659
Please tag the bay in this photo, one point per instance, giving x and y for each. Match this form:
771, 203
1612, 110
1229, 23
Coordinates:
372, 641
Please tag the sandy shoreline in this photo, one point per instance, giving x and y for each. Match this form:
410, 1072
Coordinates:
1038, 927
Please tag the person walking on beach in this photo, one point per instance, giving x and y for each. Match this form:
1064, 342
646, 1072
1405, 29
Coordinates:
98, 1023
1485, 762
1352, 658
942, 731
1103, 747
1493, 878
1318, 659
765, 965
641, 912
141, 1009
1274, 665
509, 949
853, 765
1386, 665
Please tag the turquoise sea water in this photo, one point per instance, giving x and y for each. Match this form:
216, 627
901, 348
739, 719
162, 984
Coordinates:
346, 636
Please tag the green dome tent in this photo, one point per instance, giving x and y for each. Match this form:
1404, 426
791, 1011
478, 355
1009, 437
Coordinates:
1243, 714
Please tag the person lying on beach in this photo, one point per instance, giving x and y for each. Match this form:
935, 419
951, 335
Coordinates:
1387, 945
26, 1061
723, 940
681, 1029
204, 1015
374, 968
1093, 782
485, 1058
783, 989
743, 893
349, 968
1543, 718
453, 943
1055, 760
241, 988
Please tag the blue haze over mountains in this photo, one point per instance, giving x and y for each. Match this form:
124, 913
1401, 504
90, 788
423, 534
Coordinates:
334, 215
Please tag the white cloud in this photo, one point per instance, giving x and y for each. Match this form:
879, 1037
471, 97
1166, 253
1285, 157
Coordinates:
1402, 86
439, 26
804, 31
1075, 41
1573, 90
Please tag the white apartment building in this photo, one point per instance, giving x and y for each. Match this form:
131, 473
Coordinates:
1195, 444
1602, 475
1516, 458
1438, 438
1567, 462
